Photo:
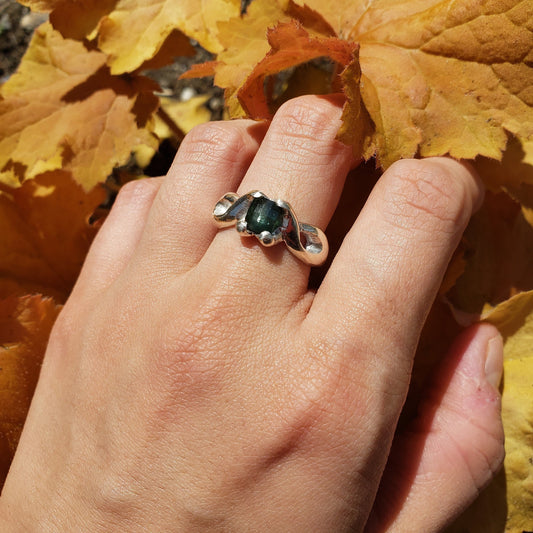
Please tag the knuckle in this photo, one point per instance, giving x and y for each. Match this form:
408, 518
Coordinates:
137, 193
214, 142
328, 374
64, 328
344, 364
425, 195
306, 118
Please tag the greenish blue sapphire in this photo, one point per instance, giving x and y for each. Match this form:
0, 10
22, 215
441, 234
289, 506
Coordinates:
264, 215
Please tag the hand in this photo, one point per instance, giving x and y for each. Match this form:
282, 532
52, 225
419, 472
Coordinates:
194, 382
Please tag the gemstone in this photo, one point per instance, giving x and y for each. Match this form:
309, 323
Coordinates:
264, 215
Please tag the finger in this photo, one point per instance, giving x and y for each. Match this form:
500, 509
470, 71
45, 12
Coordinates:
390, 265
117, 239
301, 162
211, 161
453, 448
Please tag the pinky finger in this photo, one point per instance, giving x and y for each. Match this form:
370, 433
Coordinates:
440, 462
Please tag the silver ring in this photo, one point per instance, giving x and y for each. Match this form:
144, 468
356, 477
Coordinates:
272, 221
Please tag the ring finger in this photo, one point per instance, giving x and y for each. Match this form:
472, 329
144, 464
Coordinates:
301, 162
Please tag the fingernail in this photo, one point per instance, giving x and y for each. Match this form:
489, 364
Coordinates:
494, 361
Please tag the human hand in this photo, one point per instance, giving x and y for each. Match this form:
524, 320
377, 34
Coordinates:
194, 382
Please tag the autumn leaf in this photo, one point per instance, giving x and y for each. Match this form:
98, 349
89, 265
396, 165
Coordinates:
514, 319
243, 63
497, 251
512, 174
135, 30
291, 45
409, 52
341, 15
79, 20
74, 20
409, 59
173, 121
186, 115
25, 325
176, 44
244, 43
45, 234
77, 116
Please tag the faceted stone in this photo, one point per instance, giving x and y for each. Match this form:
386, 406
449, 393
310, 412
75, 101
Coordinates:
264, 215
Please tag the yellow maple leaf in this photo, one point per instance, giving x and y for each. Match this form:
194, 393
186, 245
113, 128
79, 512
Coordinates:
62, 109
79, 20
447, 77
186, 115
45, 234
244, 43
512, 173
341, 15
25, 324
135, 30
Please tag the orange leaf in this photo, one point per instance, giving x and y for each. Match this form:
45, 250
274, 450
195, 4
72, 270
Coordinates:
63, 109
290, 45
45, 234
25, 325
244, 42
200, 70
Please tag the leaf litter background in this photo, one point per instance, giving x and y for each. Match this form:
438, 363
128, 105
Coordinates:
97, 102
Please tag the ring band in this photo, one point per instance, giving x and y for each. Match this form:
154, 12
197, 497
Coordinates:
272, 221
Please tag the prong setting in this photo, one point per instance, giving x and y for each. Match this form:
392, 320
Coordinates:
241, 227
271, 221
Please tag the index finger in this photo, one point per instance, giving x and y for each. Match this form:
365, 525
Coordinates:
382, 283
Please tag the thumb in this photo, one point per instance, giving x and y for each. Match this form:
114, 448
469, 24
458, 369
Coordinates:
451, 450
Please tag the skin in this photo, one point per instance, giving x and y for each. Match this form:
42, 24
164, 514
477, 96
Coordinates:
193, 381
